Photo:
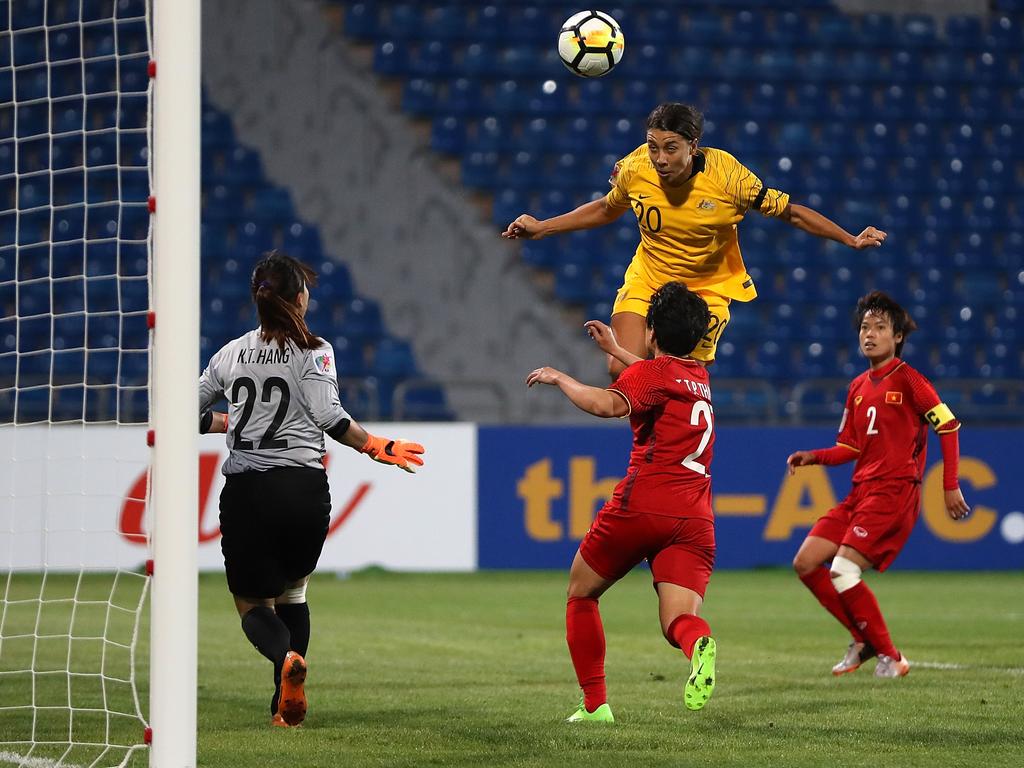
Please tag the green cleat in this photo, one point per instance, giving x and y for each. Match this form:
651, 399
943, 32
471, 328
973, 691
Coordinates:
603, 714
701, 683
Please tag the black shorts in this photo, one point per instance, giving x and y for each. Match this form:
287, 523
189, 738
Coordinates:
273, 526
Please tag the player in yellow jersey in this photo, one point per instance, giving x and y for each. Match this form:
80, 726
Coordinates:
687, 201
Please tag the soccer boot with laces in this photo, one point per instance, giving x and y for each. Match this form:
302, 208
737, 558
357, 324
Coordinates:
603, 714
701, 683
889, 667
292, 704
856, 654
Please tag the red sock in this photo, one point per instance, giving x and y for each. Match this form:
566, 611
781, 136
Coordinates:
685, 630
819, 581
861, 604
585, 635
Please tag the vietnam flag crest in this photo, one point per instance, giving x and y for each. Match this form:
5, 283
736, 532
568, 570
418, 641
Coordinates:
894, 398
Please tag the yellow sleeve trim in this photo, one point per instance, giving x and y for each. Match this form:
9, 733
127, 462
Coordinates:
939, 415
848, 446
629, 405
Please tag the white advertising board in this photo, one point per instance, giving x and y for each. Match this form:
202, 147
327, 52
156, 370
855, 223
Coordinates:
70, 498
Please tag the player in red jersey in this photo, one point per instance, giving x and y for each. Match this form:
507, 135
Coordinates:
661, 510
884, 429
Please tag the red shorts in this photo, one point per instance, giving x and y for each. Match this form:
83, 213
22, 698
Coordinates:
681, 550
875, 519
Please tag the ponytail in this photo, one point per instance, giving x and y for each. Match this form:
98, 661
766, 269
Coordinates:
276, 281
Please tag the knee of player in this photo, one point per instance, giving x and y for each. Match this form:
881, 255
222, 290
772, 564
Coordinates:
845, 573
803, 565
295, 594
579, 589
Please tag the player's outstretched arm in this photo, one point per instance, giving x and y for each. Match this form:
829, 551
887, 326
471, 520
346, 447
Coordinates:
399, 453
596, 213
809, 220
830, 457
605, 339
593, 400
800, 459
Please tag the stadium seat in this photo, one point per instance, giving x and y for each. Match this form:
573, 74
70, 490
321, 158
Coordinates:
393, 359
425, 402
361, 20
573, 282
420, 96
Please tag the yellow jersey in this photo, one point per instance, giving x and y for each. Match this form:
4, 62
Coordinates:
688, 232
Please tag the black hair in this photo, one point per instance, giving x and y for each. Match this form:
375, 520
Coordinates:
683, 119
276, 280
679, 318
880, 303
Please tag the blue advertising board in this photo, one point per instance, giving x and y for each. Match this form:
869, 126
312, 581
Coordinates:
539, 489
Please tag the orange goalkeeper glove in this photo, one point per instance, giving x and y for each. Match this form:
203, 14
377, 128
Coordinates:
400, 453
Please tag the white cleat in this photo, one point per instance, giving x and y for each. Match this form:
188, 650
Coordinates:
856, 654
890, 667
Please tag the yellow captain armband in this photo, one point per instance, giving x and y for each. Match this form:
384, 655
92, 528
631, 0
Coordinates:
939, 415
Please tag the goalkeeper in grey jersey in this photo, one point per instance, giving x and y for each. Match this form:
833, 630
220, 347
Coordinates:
282, 391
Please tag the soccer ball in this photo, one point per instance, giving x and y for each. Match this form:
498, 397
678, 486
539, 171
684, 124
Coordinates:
590, 43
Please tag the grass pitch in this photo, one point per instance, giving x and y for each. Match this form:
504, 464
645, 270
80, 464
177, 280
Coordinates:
472, 670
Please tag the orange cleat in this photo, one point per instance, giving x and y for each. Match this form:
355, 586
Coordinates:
292, 706
278, 722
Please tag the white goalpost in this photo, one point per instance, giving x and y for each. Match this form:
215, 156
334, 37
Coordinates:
99, 322
175, 404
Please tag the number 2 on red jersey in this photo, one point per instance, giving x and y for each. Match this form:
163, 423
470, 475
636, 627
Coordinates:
700, 408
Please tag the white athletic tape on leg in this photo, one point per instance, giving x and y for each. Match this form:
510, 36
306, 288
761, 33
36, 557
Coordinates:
845, 574
295, 595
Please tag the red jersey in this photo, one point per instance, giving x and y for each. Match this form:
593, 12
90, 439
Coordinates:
670, 412
886, 421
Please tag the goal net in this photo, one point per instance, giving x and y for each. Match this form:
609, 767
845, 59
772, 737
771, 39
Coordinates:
74, 380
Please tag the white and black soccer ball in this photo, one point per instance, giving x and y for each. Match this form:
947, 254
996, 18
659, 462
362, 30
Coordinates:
590, 43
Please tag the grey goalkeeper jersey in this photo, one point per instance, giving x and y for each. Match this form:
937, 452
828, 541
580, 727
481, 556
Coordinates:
280, 402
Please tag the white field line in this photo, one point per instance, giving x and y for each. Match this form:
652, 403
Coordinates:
959, 667
33, 762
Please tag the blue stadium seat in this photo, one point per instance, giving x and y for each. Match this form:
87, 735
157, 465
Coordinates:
393, 358
1005, 33
491, 22
706, 27
835, 30
448, 135
656, 25
480, 170
252, 238
405, 21
361, 20
444, 23
431, 59
595, 96
391, 57
573, 282
426, 403
350, 359
302, 241
362, 319
270, 204
420, 96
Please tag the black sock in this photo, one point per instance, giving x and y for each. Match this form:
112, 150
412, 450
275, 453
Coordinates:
296, 617
270, 636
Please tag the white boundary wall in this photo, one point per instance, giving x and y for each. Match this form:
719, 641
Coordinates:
421, 522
